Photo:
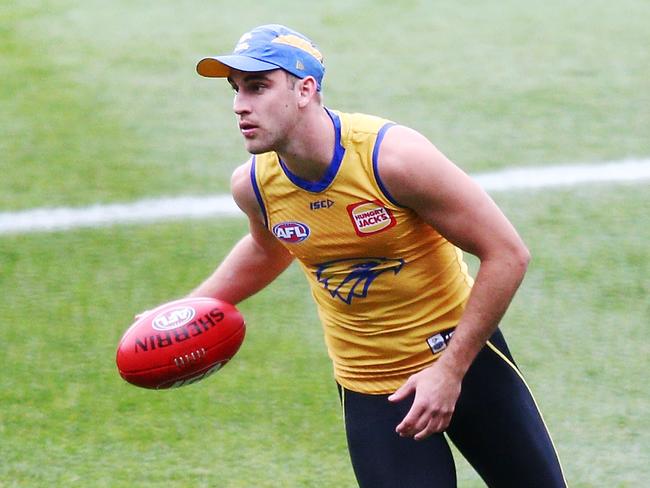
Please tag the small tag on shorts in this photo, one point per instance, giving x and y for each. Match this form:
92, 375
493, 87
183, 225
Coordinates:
438, 342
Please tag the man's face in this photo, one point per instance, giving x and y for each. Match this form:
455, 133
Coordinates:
266, 108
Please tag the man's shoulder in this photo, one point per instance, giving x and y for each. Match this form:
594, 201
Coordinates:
361, 122
263, 159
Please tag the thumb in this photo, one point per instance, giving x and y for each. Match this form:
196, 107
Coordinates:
138, 316
402, 392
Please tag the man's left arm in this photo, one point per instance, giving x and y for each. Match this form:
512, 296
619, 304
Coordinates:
419, 176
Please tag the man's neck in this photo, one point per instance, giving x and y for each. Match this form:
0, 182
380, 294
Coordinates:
310, 151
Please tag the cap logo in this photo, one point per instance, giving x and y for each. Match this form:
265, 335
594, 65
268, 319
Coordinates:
245, 37
300, 43
241, 43
299, 65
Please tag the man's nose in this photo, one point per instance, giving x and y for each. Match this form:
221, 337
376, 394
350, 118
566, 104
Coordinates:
239, 104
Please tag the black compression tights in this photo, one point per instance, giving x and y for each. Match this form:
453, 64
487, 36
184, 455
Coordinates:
496, 426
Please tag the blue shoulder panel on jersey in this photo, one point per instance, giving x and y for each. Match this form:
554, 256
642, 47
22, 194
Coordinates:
258, 195
333, 168
375, 154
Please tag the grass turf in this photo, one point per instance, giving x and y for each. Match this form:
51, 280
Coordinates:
100, 103
271, 417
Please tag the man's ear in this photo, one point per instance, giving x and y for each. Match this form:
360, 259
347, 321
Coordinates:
307, 90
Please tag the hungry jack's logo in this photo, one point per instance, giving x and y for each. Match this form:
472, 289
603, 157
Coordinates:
370, 217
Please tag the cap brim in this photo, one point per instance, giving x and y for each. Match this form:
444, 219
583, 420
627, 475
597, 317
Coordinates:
220, 66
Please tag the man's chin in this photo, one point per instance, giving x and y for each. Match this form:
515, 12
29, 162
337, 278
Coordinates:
256, 149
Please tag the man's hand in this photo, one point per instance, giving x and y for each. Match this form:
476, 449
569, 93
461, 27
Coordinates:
436, 392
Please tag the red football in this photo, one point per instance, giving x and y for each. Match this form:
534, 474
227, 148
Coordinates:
180, 342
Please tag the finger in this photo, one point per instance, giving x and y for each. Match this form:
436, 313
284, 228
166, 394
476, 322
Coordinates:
401, 393
415, 420
412, 429
435, 425
408, 428
138, 316
423, 423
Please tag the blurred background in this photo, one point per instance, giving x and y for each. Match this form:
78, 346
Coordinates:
100, 104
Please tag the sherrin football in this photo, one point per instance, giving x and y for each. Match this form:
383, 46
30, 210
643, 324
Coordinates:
180, 342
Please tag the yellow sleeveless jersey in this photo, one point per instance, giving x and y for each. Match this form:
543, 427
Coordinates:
385, 283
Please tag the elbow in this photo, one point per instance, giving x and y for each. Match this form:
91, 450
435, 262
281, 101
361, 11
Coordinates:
521, 257
512, 256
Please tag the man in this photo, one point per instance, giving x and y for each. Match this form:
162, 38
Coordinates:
376, 217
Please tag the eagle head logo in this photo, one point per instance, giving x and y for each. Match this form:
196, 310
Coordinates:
346, 279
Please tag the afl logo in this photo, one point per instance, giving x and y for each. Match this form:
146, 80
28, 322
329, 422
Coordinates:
291, 232
173, 318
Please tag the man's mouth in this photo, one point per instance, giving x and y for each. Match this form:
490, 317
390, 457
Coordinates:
247, 129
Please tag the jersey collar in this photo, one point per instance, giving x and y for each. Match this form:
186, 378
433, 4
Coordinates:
332, 169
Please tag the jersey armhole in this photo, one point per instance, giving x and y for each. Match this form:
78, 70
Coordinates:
375, 168
258, 194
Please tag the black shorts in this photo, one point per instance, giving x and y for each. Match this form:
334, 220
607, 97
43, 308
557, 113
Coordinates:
496, 426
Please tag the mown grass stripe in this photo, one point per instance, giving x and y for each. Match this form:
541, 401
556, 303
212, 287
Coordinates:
152, 210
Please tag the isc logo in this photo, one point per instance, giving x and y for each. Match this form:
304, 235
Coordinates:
291, 231
319, 204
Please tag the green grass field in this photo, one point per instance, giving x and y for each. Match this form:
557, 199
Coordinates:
99, 103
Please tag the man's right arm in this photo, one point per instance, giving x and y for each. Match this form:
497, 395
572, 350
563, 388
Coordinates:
256, 260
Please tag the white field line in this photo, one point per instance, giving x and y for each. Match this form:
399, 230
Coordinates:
628, 170
160, 209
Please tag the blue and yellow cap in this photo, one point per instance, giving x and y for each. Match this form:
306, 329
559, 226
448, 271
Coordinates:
265, 48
